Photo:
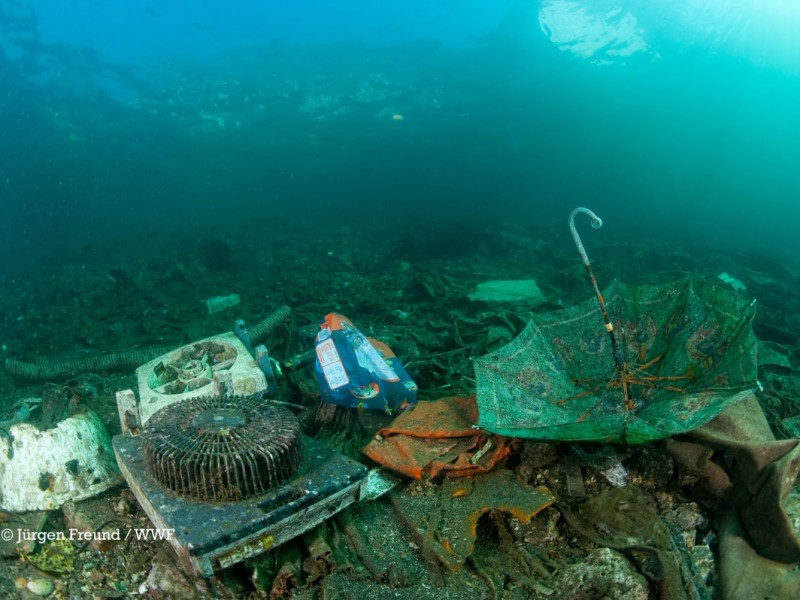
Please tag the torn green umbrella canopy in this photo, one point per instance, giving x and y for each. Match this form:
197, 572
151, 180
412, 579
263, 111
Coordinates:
684, 352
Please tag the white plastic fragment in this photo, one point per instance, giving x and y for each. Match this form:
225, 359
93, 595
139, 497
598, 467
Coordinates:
616, 475
733, 282
498, 290
220, 303
41, 470
377, 483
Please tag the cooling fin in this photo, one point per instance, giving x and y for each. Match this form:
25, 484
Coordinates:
223, 448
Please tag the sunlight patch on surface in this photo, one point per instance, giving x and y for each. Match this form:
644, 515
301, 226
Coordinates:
603, 37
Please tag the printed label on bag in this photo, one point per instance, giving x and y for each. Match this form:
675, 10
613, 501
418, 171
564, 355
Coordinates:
369, 358
332, 366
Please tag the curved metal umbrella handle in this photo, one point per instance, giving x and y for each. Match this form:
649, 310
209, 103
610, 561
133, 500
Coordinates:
597, 223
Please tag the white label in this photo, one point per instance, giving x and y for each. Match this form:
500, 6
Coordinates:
331, 363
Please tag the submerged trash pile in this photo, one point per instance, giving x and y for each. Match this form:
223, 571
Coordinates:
469, 431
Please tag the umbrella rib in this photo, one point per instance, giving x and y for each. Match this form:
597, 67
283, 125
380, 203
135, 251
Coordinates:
630, 377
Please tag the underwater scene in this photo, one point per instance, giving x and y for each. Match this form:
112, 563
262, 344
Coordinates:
439, 299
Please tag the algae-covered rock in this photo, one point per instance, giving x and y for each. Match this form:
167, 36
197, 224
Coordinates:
57, 556
627, 513
604, 573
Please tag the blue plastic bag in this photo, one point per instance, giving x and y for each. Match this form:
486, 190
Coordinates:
358, 372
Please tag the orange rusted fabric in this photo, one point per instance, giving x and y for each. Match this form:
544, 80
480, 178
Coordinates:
438, 437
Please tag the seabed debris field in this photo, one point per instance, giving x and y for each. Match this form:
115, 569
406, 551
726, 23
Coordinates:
318, 303
557, 512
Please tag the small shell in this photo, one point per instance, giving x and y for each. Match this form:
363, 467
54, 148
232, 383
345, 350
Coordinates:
40, 587
460, 492
122, 508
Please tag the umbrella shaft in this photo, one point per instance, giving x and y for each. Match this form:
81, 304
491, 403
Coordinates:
597, 222
619, 361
